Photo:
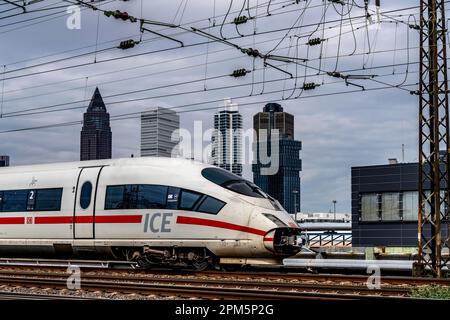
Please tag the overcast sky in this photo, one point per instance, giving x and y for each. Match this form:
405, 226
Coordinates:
338, 131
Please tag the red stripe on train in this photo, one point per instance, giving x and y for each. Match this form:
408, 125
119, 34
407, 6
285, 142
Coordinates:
89, 219
53, 220
218, 224
12, 220
119, 219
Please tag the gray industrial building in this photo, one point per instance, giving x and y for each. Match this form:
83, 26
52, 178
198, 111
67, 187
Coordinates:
159, 137
385, 205
226, 139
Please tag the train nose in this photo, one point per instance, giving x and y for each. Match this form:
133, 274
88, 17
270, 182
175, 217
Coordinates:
284, 241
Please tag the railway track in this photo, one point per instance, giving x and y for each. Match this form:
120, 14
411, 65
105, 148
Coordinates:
331, 277
24, 296
219, 285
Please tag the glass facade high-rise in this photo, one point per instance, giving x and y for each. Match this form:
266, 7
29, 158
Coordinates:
96, 135
159, 135
272, 118
283, 181
227, 139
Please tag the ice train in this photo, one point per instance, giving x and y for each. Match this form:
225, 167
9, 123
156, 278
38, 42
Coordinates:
155, 211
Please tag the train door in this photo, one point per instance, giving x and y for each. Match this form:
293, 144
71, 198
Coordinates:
84, 209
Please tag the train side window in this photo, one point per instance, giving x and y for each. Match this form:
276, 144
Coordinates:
31, 200
130, 196
1, 200
85, 196
211, 205
152, 197
189, 199
114, 197
48, 199
14, 201
121, 197
172, 198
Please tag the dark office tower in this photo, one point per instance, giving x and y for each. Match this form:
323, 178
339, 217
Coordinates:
273, 117
4, 161
282, 181
96, 136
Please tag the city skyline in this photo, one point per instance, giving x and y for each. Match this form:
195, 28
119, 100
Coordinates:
159, 126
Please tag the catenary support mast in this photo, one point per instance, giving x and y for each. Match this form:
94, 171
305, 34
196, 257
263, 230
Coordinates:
434, 148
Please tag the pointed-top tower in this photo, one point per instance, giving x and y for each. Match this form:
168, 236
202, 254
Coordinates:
96, 104
96, 136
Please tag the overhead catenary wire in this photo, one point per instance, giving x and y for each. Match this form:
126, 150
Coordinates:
114, 41
283, 6
136, 115
148, 52
337, 57
40, 110
165, 71
42, 9
94, 52
339, 42
224, 20
111, 41
244, 2
53, 14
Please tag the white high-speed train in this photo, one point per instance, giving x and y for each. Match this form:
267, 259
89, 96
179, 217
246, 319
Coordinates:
156, 211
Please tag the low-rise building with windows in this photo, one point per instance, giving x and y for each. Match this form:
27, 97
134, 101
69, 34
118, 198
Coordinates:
385, 205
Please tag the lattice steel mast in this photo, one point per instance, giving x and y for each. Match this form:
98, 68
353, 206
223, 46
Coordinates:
434, 170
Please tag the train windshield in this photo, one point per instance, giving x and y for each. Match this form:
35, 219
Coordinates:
233, 182
237, 184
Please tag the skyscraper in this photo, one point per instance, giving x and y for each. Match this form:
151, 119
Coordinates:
158, 135
283, 183
4, 161
96, 136
227, 139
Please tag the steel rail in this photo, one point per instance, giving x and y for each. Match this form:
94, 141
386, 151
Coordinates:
216, 285
29, 296
202, 291
254, 273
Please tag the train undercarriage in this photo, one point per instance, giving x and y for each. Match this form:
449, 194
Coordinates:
279, 243
198, 259
285, 242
